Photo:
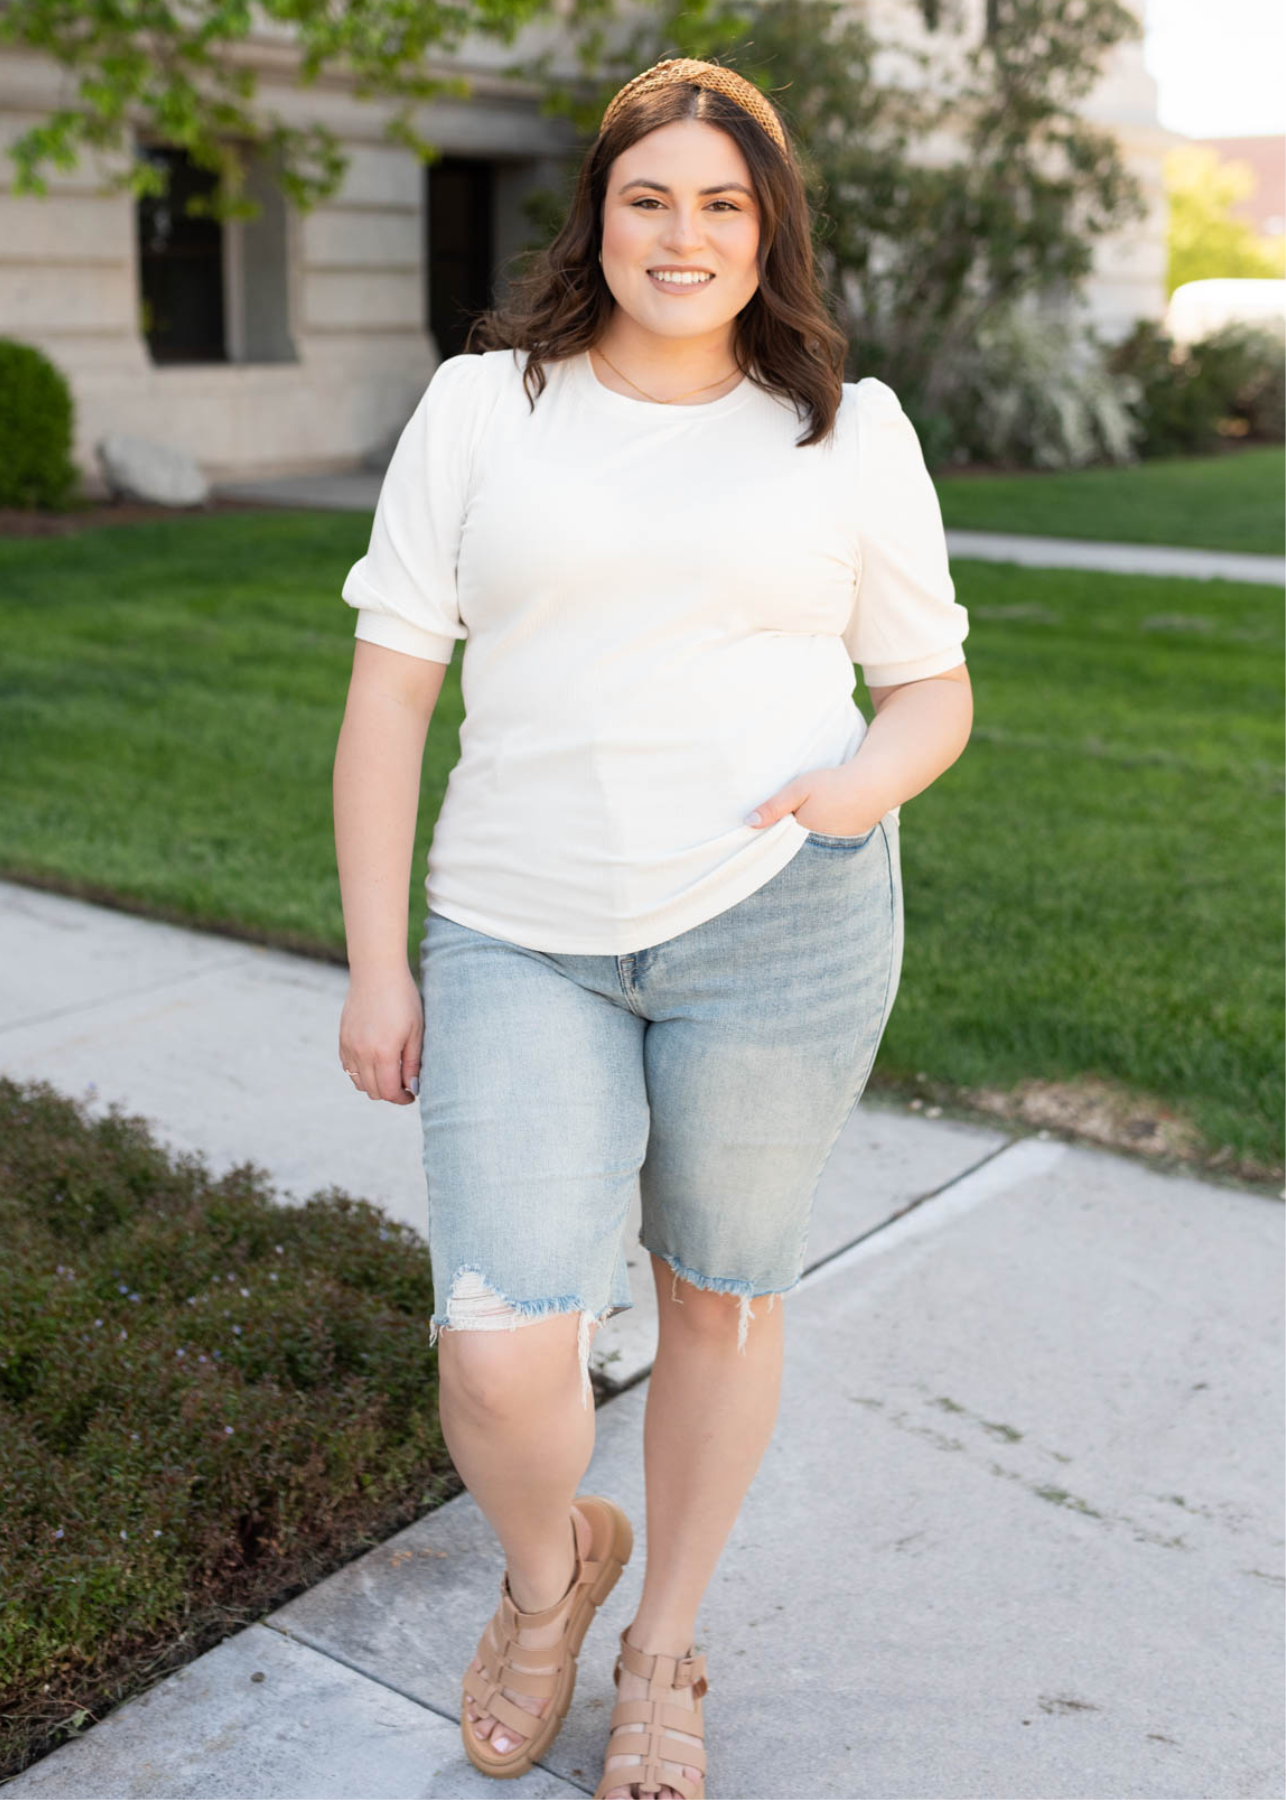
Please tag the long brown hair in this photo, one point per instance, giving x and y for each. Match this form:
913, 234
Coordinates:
784, 339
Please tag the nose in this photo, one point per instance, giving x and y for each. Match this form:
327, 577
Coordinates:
683, 231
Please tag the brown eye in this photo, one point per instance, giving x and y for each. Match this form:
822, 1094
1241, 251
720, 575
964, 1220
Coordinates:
651, 200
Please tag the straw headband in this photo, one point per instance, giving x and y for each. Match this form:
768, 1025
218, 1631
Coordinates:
706, 75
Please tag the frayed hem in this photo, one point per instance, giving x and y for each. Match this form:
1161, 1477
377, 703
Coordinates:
721, 1284
475, 1305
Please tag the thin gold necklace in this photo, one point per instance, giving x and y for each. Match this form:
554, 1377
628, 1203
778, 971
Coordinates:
652, 397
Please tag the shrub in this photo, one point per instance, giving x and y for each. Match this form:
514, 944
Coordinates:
36, 467
1034, 392
1191, 400
1260, 394
207, 1400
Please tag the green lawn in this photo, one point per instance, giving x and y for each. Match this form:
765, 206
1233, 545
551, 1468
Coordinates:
1094, 888
1229, 502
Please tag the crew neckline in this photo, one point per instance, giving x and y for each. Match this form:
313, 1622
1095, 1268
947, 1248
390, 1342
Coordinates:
621, 404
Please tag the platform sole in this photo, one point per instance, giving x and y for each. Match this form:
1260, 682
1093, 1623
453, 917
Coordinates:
612, 1544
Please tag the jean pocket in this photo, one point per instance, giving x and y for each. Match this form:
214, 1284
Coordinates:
825, 841
822, 841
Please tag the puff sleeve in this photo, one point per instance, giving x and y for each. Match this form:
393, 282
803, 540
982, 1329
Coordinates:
404, 588
906, 622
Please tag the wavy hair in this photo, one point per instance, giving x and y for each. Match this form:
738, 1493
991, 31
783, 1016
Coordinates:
784, 337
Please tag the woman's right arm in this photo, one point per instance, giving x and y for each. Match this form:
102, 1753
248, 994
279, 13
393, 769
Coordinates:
378, 762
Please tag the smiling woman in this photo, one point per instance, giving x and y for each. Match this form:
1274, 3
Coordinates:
664, 930
685, 239
692, 175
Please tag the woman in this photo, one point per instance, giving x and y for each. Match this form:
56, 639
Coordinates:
664, 928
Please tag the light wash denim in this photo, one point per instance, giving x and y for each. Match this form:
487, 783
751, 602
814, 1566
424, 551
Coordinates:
715, 1070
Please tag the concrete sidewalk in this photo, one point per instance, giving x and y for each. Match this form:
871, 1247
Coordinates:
1117, 559
358, 492
1018, 1532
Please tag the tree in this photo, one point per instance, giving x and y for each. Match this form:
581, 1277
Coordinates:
919, 244
1206, 239
181, 69
918, 248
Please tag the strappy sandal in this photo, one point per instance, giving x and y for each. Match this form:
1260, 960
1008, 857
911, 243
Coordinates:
639, 1727
604, 1543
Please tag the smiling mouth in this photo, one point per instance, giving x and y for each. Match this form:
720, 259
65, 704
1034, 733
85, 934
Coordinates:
682, 277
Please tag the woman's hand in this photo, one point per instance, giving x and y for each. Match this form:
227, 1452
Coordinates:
822, 800
381, 1034
919, 729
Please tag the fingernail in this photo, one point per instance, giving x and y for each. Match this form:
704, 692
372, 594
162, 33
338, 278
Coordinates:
752, 818
413, 1086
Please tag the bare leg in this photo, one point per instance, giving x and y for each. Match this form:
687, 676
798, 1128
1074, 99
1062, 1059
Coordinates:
510, 1405
711, 1410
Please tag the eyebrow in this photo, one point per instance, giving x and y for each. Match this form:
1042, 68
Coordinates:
724, 187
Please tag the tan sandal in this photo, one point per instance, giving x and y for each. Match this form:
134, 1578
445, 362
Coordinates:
639, 1727
604, 1543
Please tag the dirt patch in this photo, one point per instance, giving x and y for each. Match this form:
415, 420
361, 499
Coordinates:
21, 523
1093, 1110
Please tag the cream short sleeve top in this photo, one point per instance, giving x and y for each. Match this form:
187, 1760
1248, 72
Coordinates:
660, 608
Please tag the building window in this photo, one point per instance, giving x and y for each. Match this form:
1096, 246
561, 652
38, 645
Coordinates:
932, 10
257, 277
180, 266
210, 290
460, 253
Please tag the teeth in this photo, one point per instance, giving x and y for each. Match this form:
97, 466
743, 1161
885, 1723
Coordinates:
684, 280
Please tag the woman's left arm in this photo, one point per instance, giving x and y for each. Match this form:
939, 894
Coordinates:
919, 729
905, 631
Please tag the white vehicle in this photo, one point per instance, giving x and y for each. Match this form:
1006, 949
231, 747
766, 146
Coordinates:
1199, 307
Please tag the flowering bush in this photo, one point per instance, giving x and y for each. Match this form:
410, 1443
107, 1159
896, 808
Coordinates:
207, 1400
1035, 392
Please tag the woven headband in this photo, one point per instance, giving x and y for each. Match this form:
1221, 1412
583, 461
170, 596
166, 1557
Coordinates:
706, 75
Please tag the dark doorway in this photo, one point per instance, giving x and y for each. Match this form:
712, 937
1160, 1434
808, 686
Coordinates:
459, 253
180, 266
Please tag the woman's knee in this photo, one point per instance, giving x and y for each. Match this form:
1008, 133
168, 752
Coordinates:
503, 1370
713, 1315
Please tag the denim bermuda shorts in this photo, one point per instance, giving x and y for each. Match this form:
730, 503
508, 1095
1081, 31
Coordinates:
715, 1070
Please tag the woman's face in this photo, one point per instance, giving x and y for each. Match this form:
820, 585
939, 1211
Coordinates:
681, 198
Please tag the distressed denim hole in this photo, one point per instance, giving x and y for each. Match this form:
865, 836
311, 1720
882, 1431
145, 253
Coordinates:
474, 1305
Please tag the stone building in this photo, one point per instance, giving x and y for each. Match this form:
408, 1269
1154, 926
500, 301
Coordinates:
301, 342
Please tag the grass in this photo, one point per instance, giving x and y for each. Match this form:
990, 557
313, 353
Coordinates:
1095, 888
207, 1402
1093, 891
172, 698
1228, 502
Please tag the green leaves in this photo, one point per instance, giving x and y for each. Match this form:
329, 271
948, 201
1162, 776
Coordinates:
207, 1399
947, 181
186, 75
